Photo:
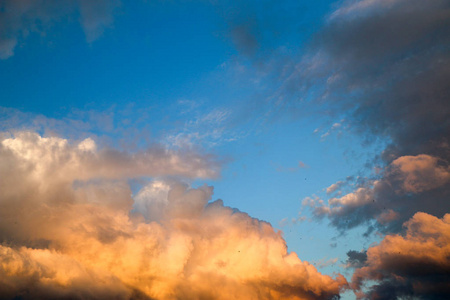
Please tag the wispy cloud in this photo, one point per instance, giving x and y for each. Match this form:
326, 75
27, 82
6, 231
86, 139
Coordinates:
204, 126
323, 263
282, 169
19, 18
115, 126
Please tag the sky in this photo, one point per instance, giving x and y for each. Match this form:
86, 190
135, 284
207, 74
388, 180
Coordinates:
219, 149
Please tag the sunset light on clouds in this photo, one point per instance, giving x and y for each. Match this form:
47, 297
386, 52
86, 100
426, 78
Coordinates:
225, 149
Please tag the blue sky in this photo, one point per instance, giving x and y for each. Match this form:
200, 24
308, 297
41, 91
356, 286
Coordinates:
279, 99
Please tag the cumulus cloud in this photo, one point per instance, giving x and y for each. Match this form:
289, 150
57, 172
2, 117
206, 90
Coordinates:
70, 228
414, 264
356, 259
408, 184
420, 173
28, 273
18, 18
334, 187
349, 210
56, 157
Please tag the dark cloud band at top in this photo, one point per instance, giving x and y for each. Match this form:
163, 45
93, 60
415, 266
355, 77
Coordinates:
386, 66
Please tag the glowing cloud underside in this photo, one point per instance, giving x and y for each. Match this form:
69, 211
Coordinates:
415, 264
71, 229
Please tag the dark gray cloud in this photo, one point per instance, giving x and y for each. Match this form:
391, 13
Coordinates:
388, 63
19, 18
356, 259
257, 28
382, 64
385, 66
407, 185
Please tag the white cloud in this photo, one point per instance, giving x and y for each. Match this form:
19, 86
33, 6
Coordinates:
48, 157
334, 187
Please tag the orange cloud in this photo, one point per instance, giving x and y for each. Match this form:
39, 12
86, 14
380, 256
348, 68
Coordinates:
416, 263
71, 228
409, 184
420, 173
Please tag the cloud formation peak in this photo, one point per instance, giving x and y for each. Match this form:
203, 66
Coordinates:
415, 264
70, 228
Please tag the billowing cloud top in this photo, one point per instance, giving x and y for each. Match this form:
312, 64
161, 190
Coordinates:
416, 264
57, 158
71, 229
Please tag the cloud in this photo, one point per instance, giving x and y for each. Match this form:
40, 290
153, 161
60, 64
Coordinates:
334, 187
70, 228
420, 173
347, 211
281, 169
56, 157
208, 128
302, 165
96, 16
407, 185
393, 84
393, 87
414, 264
356, 259
117, 125
323, 263
41, 273
257, 27
335, 128
18, 18
383, 67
